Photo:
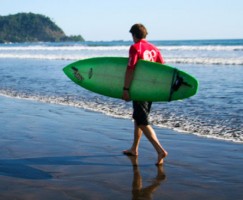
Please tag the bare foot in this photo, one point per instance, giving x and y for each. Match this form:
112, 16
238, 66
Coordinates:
161, 157
130, 152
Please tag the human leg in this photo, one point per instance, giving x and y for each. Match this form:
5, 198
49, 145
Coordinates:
136, 140
141, 125
152, 137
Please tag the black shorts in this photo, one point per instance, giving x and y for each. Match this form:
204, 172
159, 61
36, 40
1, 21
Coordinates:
141, 111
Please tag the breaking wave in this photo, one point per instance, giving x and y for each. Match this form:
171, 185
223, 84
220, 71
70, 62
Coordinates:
183, 60
186, 54
165, 119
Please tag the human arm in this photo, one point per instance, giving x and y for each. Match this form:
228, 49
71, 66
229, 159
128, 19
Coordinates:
132, 61
127, 83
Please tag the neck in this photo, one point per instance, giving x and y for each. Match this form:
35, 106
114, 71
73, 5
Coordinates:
137, 40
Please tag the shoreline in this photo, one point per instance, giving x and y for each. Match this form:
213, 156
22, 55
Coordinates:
56, 151
89, 109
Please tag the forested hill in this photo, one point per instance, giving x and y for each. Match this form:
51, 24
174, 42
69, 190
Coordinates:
29, 27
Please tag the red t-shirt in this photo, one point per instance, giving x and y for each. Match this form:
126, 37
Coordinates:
145, 51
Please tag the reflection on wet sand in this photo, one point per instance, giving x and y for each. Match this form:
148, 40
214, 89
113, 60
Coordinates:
138, 191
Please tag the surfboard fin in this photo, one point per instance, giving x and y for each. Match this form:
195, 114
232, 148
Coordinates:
177, 82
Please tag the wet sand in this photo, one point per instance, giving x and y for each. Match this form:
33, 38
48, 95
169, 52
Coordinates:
52, 151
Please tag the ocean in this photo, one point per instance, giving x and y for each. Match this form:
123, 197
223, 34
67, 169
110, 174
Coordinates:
33, 71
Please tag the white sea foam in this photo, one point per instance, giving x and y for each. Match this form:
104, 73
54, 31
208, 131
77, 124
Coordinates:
201, 48
107, 48
183, 60
186, 54
179, 123
205, 60
63, 48
43, 56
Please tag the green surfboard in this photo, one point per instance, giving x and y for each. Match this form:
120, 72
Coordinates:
152, 81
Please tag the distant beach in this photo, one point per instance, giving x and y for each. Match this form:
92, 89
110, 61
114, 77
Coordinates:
57, 152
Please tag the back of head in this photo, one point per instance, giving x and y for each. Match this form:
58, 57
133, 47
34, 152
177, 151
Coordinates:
139, 31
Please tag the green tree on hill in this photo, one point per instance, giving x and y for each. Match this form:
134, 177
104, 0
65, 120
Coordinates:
29, 27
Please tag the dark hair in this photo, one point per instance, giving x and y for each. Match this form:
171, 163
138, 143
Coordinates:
139, 31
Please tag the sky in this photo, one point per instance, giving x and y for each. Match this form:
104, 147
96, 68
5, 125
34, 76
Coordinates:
107, 20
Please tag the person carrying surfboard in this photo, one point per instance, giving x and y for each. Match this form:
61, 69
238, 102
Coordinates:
141, 49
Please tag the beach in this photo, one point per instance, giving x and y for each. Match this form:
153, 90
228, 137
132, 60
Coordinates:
60, 141
51, 151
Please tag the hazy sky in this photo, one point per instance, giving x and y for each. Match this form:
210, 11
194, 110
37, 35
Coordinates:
164, 19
